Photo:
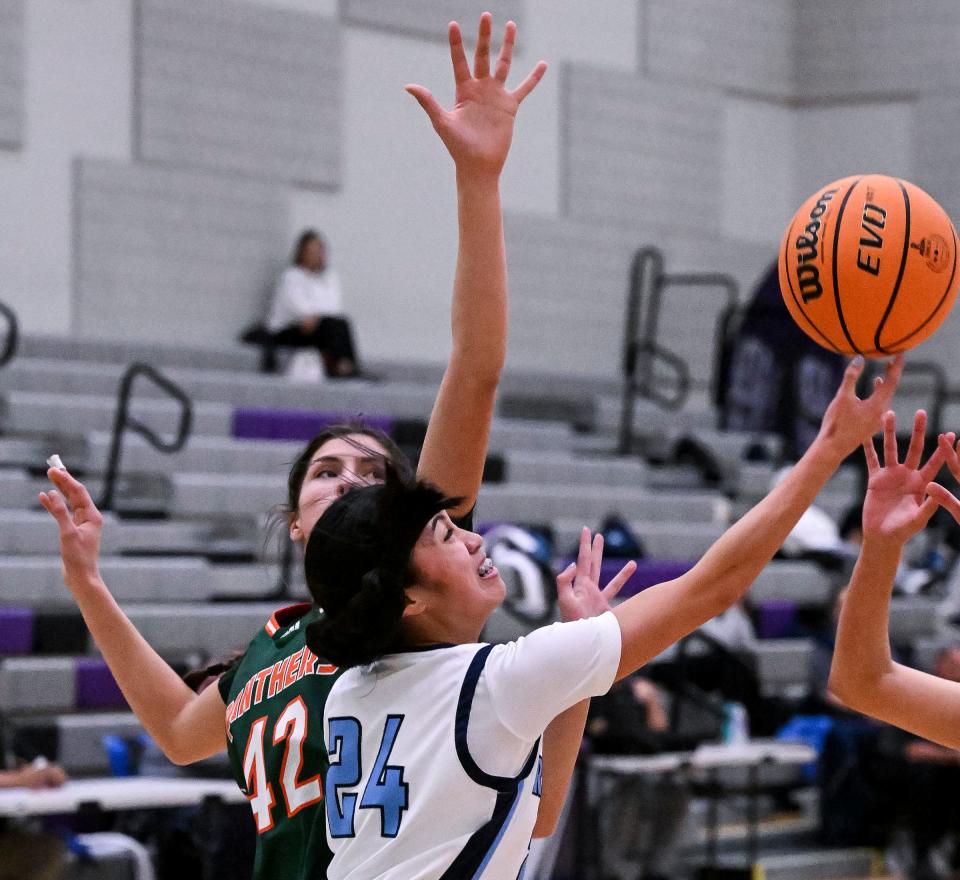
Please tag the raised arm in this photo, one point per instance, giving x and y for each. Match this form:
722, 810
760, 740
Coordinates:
863, 675
477, 132
659, 616
580, 596
187, 727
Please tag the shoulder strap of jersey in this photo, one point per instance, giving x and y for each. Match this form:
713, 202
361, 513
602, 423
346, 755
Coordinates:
464, 707
479, 849
282, 616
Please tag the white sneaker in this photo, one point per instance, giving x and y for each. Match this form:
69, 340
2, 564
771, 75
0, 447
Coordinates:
305, 367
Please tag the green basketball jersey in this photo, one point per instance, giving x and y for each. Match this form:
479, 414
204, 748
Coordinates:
275, 697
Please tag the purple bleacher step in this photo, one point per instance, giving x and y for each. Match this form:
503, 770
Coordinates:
296, 424
648, 573
96, 688
776, 618
16, 630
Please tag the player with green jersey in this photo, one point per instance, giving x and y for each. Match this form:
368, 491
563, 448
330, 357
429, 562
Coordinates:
268, 708
268, 696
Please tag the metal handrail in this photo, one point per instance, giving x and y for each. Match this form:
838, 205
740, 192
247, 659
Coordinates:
123, 421
11, 341
641, 350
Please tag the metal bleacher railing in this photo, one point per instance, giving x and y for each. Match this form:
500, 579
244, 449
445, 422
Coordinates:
11, 338
643, 355
124, 421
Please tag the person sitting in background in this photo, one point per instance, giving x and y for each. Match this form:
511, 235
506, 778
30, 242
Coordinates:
643, 827
307, 311
26, 854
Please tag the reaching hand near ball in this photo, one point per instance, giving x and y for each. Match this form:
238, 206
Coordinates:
897, 503
849, 421
478, 129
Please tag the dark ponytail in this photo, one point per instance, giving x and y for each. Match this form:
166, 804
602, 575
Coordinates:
364, 629
357, 566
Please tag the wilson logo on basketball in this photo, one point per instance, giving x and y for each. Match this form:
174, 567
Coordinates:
935, 252
868, 265
808, 273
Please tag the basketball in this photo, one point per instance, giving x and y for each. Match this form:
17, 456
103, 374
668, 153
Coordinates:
868, 265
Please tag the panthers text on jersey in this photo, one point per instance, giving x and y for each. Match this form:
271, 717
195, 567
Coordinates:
275, 697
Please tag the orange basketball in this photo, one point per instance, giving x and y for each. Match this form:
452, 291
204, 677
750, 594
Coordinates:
868, 265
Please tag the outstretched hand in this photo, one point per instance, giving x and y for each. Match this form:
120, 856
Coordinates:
900, 497
849, 421
80, 527
578, 585
478, 130
945, 498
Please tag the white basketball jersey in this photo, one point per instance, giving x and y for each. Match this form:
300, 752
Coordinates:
412, 740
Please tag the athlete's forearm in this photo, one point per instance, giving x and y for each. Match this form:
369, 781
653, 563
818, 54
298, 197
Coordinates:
732, 564
479, 310
561, 745
455, 447
862, 657
165, 705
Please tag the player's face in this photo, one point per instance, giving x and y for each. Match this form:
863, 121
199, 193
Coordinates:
336, 467
458, 583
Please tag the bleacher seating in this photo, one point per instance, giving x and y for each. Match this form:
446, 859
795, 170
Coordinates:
197, 577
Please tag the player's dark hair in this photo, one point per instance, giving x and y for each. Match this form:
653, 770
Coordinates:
298, 471
358, 565
306, 237
280, 515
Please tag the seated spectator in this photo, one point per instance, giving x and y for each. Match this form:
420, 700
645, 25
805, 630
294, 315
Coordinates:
643, 822
307, 311
26, 854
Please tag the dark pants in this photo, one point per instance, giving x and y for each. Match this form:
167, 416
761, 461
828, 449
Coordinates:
332, 338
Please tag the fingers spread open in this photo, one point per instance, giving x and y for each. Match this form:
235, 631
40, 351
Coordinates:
946, 499
73, 490
891, 378
917, 438
889, 438
583, 553
54, 504
426, 100
461, 68
870, 453
926, 511
596, 557
945, 444
618, 581
481, 58
530, 83
932, 465
851, 374
506, 52
565, 580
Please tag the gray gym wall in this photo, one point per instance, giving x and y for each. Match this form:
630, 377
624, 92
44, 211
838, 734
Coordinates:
158, 157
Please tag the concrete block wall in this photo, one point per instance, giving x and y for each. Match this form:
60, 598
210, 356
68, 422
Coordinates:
696, 125
426, 18
11, 73
179, 254
239, 88
740, 45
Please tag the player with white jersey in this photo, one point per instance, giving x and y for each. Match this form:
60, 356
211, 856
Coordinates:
434, 738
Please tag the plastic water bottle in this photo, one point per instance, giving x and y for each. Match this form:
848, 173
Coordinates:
736, 729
